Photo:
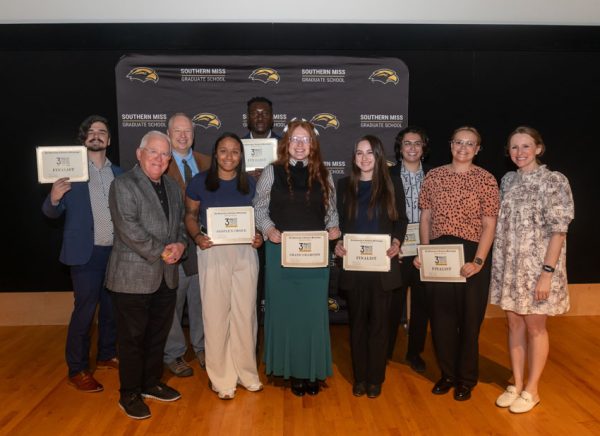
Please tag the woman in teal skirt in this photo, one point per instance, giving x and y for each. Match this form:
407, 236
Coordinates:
296, 193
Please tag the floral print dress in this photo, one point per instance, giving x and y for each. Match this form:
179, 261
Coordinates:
533, 206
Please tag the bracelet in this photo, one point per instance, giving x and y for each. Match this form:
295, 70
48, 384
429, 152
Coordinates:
548, 268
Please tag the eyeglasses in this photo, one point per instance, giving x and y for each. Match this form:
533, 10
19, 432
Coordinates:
412, 143
460, 142
154, 153
300, 140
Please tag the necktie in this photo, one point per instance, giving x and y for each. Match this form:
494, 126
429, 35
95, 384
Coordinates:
187, 172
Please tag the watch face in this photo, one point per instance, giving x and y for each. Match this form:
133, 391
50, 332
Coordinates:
478, 261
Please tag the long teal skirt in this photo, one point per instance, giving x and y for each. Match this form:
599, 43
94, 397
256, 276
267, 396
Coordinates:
296, 319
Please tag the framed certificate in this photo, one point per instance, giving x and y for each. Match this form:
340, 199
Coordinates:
366, 252
56, 162
304, 249
411, 240
230, 225
259, 153
441, 263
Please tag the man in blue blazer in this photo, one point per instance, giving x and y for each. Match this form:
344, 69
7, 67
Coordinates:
87, 242
150, 239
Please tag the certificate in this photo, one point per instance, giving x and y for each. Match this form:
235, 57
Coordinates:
259, 153
57, 162
441, 263
366, 252
230, 225
411, 240
304, 249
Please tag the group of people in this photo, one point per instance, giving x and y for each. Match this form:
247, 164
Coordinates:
154, 217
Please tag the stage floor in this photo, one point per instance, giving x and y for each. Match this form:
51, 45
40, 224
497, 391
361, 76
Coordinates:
36, 399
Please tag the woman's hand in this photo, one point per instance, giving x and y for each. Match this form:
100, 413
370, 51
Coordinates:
417, 262
394, 248
273, 235
339, 249
469, 269
257, 241
542, 287
203, 241
333, 233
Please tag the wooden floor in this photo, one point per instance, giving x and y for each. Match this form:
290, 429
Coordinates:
36, 400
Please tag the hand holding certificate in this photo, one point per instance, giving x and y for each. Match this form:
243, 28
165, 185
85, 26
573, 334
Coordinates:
441, 263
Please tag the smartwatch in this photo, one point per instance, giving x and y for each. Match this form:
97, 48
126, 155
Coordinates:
548, 268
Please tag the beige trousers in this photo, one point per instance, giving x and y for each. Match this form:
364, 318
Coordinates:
228, 275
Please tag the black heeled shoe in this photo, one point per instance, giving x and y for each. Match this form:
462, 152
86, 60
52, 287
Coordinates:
298, 387
312, 387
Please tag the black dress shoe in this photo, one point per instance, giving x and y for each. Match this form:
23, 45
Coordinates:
416, 363
359, 389
312, 387
442, 386
373, 391
298, 387
462, 392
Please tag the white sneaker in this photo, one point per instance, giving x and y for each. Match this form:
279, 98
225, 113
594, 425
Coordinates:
508, 397
256, 387
524, 403
228, 394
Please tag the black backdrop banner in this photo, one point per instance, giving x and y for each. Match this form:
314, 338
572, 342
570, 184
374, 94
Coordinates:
345, 97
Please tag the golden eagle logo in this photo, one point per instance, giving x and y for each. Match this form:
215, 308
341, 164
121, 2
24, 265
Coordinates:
385, 76
206, 120
325, 120
265, 75
333, 305
143, 74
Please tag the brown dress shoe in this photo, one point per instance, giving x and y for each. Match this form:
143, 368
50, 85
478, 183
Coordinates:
85, 382
108, 364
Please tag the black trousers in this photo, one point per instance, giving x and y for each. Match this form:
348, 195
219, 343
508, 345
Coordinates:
457, 311
143, 324
368, 313
417, 326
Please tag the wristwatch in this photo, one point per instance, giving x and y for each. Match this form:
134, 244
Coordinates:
548, 268
478, 261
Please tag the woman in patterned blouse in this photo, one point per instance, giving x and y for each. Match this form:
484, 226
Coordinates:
459, 205
529, 277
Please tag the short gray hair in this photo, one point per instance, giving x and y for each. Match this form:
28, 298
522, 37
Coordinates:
152, 133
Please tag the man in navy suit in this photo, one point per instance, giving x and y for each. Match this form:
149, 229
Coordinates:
87, 242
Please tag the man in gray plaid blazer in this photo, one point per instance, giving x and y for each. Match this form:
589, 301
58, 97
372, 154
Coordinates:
150, 239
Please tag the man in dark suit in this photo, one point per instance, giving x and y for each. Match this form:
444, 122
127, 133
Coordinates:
87, 242
183, 166
147, 212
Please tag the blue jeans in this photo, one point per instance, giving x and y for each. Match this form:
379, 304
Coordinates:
89, 292
176, 346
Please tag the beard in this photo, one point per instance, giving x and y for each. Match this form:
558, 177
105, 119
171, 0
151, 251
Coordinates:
96, 146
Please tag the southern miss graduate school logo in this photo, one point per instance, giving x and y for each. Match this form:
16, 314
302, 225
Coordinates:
143, 74
265, 75
385, 76
325, 120
206, 120
333, 305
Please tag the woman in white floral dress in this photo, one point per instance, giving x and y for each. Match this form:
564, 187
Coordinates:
529, 277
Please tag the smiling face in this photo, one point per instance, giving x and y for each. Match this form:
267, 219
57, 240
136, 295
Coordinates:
154, 157
411, 147
464, 146
364, 159
523, 151
300, 143
229, 155
181, 132
97, 138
